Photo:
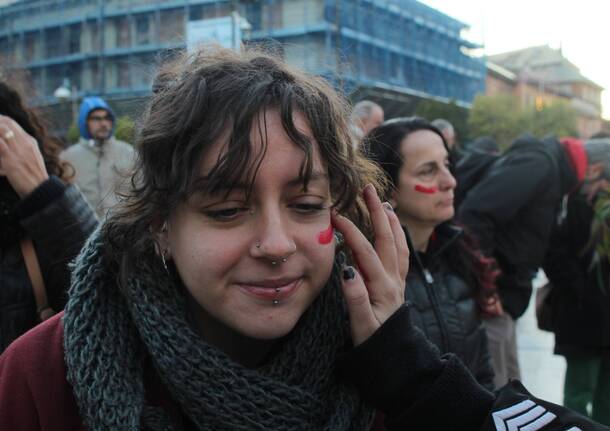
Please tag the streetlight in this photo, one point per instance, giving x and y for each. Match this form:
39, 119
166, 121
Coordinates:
66, 93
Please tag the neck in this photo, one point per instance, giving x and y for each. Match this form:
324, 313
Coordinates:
247, 351
420, 233
99, 142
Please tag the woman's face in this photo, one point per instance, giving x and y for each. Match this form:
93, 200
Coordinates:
424, 194
229, 251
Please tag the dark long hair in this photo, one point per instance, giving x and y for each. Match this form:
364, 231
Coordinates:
217, 94
11, 105
382, 145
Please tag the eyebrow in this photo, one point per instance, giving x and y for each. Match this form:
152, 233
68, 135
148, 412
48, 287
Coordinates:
315, 177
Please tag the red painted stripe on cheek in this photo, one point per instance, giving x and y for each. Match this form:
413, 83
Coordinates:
427, 190
326, 236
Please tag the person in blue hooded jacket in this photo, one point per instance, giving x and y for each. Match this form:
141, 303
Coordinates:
101, 162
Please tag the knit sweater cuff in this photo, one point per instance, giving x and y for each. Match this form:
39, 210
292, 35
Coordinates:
40, 197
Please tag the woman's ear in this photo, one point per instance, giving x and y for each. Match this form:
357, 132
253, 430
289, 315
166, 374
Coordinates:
159, 232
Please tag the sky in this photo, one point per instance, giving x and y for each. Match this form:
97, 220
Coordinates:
581, 28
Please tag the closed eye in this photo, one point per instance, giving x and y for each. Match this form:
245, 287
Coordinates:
308, 208
225, 214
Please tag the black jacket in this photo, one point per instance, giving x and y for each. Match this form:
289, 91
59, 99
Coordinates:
400, 372
581, 294
511, 211
58, 220
468, 172
444, 305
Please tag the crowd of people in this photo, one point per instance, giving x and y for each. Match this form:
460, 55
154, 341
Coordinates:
265, 257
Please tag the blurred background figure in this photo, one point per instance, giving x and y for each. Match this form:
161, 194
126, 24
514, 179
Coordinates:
447, 131
366, 115
578, 267
449, 282
470, 168
101, 161
511, 211
40, 217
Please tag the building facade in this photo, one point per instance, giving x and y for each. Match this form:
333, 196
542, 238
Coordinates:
540, 76
385, 50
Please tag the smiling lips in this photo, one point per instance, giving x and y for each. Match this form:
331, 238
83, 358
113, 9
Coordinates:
272, 289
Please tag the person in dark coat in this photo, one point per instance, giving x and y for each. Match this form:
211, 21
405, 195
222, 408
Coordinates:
471, 167
511, 212
215, 297
578, 268
36, 205
444, 278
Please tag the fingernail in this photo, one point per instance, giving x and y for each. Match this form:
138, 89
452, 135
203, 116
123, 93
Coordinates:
341, 259
348, 273
369, 188
388, 207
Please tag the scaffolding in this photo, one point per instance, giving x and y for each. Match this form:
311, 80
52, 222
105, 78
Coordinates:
398, 47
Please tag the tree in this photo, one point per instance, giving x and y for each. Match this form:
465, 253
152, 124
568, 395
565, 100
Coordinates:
73, 133
500, 118
557, 119
497, 117
124, 129
456, 115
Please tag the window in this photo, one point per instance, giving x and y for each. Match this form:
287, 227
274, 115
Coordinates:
52, 39
142, 29
74, 38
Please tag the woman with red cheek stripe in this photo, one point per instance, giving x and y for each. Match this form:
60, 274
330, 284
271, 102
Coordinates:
216, 297
449, 285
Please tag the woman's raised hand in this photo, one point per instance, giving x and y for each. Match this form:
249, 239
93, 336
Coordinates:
20, 158
376, 289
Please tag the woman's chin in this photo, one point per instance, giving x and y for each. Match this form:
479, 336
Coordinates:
272, 327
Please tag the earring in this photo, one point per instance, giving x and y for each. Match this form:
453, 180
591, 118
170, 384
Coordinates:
163, 253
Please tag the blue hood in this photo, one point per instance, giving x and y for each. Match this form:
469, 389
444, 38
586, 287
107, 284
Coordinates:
91, 104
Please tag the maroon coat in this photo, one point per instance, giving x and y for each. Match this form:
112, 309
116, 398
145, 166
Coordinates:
34, 392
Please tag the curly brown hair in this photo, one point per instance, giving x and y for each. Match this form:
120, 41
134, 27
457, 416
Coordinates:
11, 105
203, 97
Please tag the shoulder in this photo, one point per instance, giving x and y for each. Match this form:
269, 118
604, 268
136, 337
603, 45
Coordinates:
74, 152
122, 146
37, 352
34, 391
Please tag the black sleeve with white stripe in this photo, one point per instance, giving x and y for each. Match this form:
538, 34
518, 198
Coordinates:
401, 373
516, 409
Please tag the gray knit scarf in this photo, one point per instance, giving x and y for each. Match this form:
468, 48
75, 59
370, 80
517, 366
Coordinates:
109, 331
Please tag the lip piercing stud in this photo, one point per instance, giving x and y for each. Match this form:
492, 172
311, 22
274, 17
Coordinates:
277, 289
274, 262
275, 302
284, 259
